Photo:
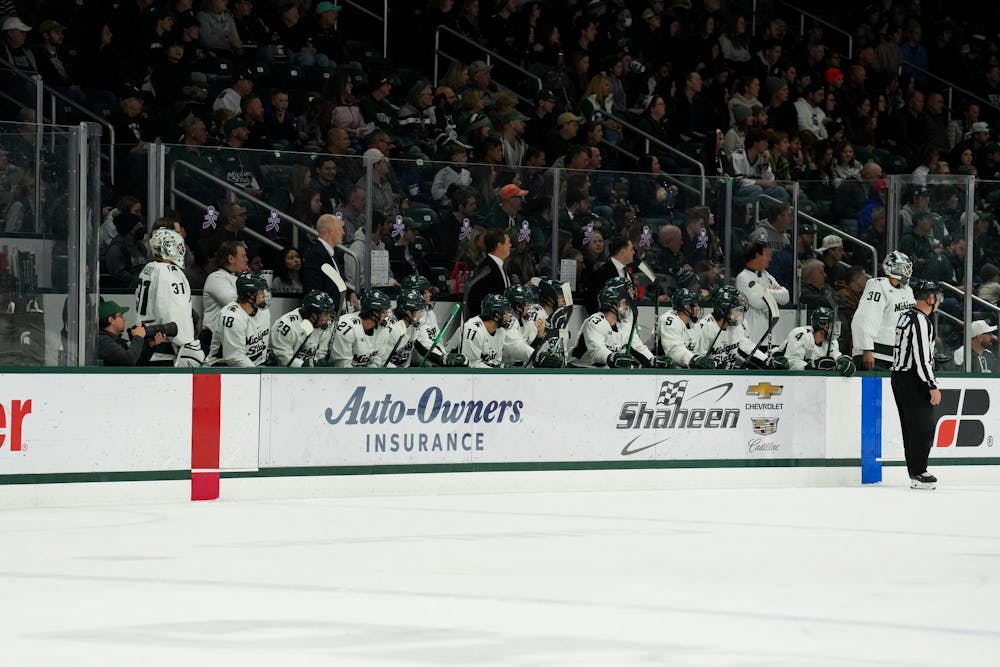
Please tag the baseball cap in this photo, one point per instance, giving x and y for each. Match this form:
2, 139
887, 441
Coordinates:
988, 272
806, 228
993, 147
979, 126
545, 95
774, 84
327, 7
233, 123
833, 74
189, 20
512, 116
129, 91
49, 26
373, 155
109, 308
511, 190
648, 14
980, 327
14, 23
567, 117
478, 66
921, 191
830, 242
740, 113
881, 184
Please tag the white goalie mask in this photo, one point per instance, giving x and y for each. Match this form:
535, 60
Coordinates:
169, 245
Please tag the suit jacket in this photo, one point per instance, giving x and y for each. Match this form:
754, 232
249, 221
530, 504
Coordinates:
314, 257
486, 280
600, 275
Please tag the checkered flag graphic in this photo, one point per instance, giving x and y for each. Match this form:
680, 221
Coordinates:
672, 393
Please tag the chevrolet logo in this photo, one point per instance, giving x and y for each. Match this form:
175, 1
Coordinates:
764, 390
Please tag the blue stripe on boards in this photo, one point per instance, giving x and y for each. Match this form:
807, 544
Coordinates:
871, 430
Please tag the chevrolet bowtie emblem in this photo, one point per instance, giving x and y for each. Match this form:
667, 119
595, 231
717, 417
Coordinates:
764, 390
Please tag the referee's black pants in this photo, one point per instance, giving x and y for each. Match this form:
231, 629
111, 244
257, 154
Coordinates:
917, 418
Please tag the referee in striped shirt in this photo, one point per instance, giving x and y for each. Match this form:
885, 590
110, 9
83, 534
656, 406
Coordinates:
913, 383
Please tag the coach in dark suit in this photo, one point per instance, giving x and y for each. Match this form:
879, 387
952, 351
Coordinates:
491, 276
622, 253
324, 251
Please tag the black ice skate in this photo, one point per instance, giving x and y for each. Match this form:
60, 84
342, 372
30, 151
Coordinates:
925, 481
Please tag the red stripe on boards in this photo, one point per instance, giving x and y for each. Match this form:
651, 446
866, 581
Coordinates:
206, 417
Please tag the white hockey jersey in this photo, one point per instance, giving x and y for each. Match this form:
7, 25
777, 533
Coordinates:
599, 339
386, 340
242, 339
731, 348
288, 339
425, 331
677, 338
219, 292
351, 347
757, 317
516, 347
874, 324
482, 349
801, 348
164, 295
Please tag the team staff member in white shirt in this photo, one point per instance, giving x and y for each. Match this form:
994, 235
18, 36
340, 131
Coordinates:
752, 282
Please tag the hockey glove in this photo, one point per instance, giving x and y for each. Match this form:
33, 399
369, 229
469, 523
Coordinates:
776, 363
845, 366
825, 364
549, 361
559, 318
190, 356
452, 360
621, 360
662, 361
702, 361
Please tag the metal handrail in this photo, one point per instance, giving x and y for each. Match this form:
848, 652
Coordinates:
235, 191
490, 56
384, 20
650, 139
951, 288
836, 230
950, 87
802, 25
53, 94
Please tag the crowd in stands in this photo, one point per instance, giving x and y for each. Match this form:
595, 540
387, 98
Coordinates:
637, 97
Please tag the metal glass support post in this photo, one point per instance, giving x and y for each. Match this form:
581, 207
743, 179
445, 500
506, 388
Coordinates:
39, 138
153, 180
84, 216
369, 208
729, 226
72, 344
556, 184
970, 208
796, 278
892, 216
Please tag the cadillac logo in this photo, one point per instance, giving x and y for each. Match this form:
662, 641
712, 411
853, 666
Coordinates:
765, 426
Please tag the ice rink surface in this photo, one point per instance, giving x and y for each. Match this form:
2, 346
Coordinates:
803, 577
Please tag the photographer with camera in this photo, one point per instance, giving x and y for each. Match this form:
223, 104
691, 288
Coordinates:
112, 349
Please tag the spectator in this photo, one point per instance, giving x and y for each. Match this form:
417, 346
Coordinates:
231, 98
376, 107
784, 264
780, 111
280, 122
666, 256
542, 120
846, 166
774, 230
352, 213
913, 128
15, 35
416, 120
815, 289
507, 208
735, 42
832, 255
875, 235
327, 38
597, 106
917, 243
384, 200
811, 117
920, 200
981, 339
239, 168
218, 28
287, 278
849, 293
514, 146
253, 116
233, 222
689, 110
989, 290
754, 171
557, 143
308, 206
355, 266
959, 128
452, 175
406, 255
125, 257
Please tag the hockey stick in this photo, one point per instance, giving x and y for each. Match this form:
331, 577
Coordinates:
772, 311
444, 327
308, 328
398, 340
646, 271
337, 280
833, 325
